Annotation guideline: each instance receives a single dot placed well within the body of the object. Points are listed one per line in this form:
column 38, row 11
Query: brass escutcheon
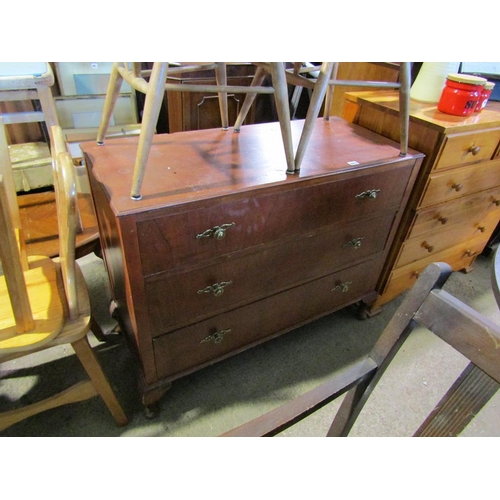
column 216, row 337
column 217, row 288
column 355, row 243
column 218, row 232
column 371, row 194
column 343, row 287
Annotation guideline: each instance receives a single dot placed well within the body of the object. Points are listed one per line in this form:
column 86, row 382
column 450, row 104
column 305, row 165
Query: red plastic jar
column 461, row 94
column 485, row 95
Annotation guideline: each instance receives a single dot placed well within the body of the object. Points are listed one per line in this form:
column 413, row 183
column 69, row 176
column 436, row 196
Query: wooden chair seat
column 45, row 301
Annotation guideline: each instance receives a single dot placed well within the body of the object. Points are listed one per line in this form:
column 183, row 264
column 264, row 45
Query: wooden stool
column 322, row 88
column 155, row 88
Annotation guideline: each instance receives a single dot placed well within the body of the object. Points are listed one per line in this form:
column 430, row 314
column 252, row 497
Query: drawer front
column 182, row 299
column 221, row 335
column 430, row 244
column 463, row 210
column 453, row 184
column 403, row 278
column 168, row 241
column 460, row 149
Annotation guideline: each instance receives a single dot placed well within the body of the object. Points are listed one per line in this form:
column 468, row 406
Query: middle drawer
column 180, row 299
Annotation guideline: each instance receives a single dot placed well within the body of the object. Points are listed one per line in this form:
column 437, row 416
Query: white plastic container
column 431, row 80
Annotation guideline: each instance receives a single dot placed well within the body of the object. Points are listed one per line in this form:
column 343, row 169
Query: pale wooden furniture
column 455, row 204
column 322, row 91
column 473, row 335
column 225, row 250
column 45, row 301
column 154, row 89
column 28, row 81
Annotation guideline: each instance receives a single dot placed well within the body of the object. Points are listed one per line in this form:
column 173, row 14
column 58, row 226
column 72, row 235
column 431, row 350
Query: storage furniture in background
column 225, row 251
column 455, row 205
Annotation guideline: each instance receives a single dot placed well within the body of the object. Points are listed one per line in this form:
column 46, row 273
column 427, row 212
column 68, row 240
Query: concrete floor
column 215, row 399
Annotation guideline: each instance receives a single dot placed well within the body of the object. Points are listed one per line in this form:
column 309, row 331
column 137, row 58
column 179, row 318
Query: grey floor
column 215, row 399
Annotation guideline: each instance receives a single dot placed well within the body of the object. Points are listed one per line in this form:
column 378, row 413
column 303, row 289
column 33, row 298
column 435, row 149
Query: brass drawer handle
column 474, row 150
column 343, row 287
column 371, row 194
column 218, row 232
column 216, row 337
column 355, row 243
column 457, row 187
column 217, row 288
column 428, row 247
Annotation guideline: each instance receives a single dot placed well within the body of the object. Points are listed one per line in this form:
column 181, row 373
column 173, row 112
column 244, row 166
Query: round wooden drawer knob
column 457, row 187
column 428, row 247
column 474, row 150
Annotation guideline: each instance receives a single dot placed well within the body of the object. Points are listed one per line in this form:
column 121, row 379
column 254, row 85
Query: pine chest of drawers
column 455, row 205
column 225, row 251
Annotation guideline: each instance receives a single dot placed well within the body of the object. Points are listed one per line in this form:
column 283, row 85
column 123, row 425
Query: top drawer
column 460, row 149
column 189, row 237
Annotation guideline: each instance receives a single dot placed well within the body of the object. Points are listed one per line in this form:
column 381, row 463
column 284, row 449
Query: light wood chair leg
column 313, row 111
column 281, row 96
column 404, row 105
column 257, row 81
column 152, row 105
column 329, row 92
column 48, row 106
column 114, row 86
column 89, row 361
column 221, row 79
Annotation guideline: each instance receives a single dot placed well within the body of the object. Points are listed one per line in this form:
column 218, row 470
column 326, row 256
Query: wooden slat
column 470, row 333
column 470, row 392
column 292, row 412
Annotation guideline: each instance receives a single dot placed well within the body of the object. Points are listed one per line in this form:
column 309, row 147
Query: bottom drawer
column 219, row 336
column 458, row 257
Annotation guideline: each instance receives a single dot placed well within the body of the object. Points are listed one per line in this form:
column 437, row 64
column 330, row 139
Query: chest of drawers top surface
column 428, row 113
column 198, row 165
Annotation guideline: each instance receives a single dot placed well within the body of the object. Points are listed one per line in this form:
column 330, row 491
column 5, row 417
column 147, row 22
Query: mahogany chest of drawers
column 455, row 204
column 225, row 251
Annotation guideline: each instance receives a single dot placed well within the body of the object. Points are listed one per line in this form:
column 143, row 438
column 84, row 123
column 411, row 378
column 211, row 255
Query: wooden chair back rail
column 473, row 335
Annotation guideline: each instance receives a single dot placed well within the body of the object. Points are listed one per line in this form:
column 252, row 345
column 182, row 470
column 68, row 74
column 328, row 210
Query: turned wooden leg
column 257, row 81
column 404, row 105
column 89, row 361
column 313, row 111
column 283, row 108
column 152, row 105
column 114, row 86
column 221, row 79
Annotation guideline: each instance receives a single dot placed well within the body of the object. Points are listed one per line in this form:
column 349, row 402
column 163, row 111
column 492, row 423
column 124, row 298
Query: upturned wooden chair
column 470, row 333
column 155, row 87
column 45, row 302
column 322, row 89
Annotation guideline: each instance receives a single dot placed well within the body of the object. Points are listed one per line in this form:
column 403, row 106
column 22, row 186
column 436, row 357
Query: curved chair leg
column 283, row 108
column 114, row 86
column 152, row 105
